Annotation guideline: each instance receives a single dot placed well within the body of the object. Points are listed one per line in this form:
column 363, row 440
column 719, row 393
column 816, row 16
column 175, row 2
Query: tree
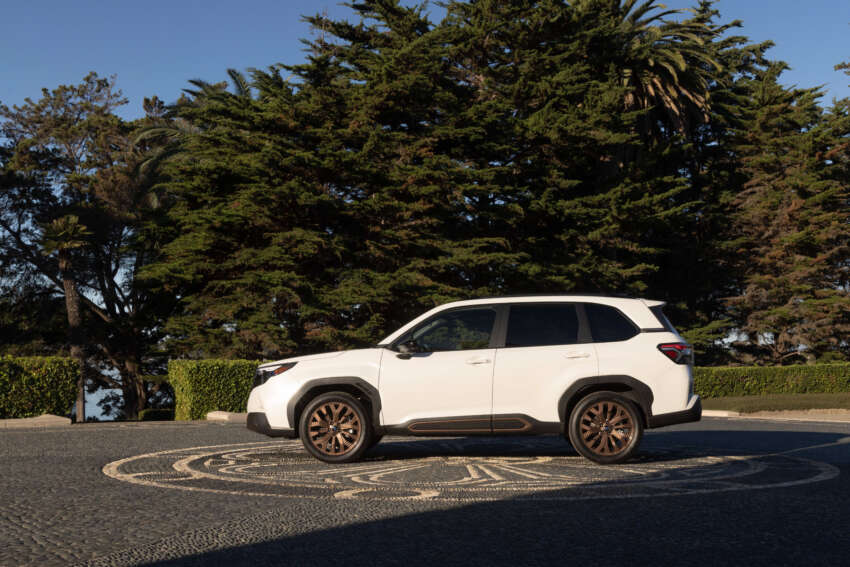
column 74, row 214
column 791, row 226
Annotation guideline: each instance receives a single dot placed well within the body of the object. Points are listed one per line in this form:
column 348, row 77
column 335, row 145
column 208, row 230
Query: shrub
column 156, row 414
column 31, row 386
column 202, row 386
column 716, row 382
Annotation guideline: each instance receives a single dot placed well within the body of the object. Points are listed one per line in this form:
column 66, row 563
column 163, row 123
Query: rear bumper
column 258, row 422
column 692, row 413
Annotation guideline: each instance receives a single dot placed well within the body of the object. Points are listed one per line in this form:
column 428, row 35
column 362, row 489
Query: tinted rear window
column 608, row 324
column 542, row 324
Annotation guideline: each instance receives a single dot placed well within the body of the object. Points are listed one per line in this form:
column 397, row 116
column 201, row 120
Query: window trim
column 493, row 330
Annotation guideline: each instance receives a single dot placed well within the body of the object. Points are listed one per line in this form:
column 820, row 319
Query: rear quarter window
column 608, row 324
column 662, row 318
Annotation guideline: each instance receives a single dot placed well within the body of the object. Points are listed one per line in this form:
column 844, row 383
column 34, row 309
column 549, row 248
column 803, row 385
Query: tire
column 338, row 410
column 605, row 428
column 375, row 440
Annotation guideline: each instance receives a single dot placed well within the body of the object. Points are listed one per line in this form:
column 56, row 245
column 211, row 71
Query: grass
column 779, row 402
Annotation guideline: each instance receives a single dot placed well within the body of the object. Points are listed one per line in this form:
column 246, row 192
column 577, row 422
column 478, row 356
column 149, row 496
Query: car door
column 444, row 382
column 547, row 347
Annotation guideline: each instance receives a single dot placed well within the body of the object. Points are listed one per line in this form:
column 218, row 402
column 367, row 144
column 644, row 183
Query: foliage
column 74, row 210
column 31, row 386
column 720, row 381
column 202, row 386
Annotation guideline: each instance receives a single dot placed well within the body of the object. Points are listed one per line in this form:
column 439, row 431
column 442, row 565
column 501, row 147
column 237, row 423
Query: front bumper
column 693, row 413
column 257, row 421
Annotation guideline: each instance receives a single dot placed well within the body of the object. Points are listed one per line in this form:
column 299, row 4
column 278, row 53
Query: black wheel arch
column 626, row 386
column 358, row 387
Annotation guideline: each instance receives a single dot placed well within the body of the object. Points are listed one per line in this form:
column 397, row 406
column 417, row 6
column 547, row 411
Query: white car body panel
column 531, row 380
column 273, row 396
column 416, row 388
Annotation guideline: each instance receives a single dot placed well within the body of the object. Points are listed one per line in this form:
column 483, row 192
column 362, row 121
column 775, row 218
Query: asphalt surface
column 722, row 491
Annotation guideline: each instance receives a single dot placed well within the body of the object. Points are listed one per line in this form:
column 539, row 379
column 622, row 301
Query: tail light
column 680, row 353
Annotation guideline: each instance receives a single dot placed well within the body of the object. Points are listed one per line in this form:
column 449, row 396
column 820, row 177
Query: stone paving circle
column 463, row 469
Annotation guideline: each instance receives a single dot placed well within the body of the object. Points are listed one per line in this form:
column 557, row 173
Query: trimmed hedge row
column 202, row 386
column 31, row 386
column 721, row 381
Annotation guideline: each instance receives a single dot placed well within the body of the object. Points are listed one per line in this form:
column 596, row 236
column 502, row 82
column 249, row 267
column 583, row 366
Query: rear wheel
column 335, row 428
column 605, row 427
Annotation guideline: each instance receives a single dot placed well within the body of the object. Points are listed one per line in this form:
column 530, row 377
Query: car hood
column 306, row 358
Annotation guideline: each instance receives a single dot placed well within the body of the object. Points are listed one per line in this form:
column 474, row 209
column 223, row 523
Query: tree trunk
column 75, row 329
column 133, row 388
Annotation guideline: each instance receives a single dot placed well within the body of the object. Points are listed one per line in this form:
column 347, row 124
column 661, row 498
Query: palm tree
column 665, row 67
column 61, row 237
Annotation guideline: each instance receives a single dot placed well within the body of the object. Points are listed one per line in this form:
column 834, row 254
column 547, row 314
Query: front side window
column 542, row 324
column 607, row 324
column 462, row 329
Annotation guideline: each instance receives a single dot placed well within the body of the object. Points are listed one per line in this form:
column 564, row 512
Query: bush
column 31, row 386
column 202, row 386
column 155, row 414
column 717, row 382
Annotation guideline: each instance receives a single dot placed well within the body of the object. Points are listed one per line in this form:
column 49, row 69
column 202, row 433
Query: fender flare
column 626, row 386
column 301, row 396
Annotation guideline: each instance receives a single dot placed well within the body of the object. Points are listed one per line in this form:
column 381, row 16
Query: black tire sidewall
column 574, row 427
column 365, row 441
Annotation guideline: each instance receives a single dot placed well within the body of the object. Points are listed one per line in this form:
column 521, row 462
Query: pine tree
column 791, row 226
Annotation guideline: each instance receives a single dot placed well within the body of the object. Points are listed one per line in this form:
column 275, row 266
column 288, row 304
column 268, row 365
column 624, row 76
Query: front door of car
column 439, row 376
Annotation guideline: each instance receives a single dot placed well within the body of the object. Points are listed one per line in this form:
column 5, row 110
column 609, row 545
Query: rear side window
column 608, row 324
column 662, row 318
column 542, row 324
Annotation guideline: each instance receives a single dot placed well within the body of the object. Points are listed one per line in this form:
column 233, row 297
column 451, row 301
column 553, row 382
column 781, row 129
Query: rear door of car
column 547, row 346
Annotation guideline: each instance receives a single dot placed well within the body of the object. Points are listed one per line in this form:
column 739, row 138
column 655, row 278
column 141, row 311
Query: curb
column 816, row 415
column 720, row 413
column 227, row 417
column 46, row 420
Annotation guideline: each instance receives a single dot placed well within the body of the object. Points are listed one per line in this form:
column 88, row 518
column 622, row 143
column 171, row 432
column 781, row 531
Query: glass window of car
column 608, row 324
column 541, row 324
column 460, row 329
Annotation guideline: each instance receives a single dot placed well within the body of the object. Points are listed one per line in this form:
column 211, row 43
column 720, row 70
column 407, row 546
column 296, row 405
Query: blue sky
column 155, row 47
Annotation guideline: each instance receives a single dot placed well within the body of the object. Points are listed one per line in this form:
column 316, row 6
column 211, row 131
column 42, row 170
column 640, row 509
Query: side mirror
column 407, row 348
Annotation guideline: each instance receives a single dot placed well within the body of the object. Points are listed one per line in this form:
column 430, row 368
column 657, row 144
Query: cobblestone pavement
column 720, row 491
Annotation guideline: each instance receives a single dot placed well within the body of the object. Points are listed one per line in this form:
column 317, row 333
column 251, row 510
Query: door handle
column 478, row 361
column 577, row 355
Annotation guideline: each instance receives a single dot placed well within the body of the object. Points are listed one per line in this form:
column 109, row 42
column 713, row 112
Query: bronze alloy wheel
column 335, row 427
column 605, row 427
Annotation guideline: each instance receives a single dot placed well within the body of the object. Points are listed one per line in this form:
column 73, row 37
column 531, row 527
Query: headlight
column 263, row 374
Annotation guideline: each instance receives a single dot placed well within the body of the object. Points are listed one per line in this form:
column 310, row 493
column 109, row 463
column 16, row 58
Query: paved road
column 722, row 491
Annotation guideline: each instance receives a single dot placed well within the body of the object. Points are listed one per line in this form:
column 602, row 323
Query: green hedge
column 202, row 386
column 31, row 386
column 718, row 382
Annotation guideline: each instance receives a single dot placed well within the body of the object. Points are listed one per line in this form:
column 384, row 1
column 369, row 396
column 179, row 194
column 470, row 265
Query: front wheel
column 605, row 427
column 335, row 428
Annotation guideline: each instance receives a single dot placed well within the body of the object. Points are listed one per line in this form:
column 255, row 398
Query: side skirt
column 508, row 424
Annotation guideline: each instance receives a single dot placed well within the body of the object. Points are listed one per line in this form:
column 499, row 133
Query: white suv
column 596, row 369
